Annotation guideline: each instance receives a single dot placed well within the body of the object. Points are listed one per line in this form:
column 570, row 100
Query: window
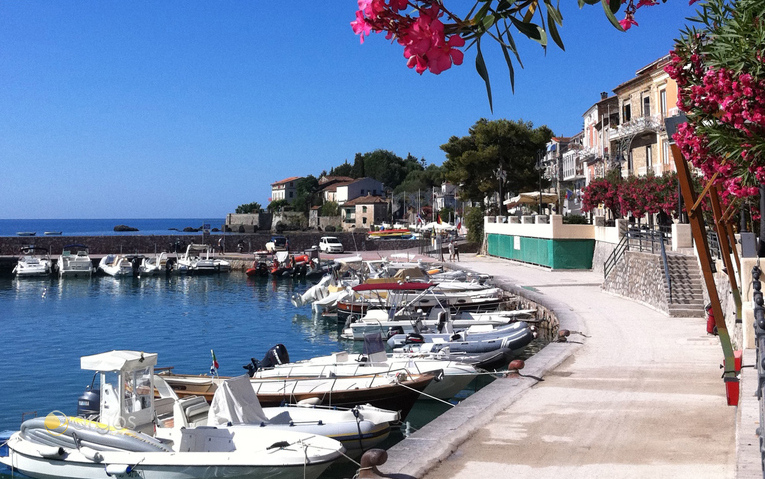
column 663, row 102
column 363, row 209
column 665, row 152
column 374, row 192
column 364, row 219
column 291, row 184
column 626, row 113
column 362, row 192
column 646, row 105
column 648, row 158
column 291, row 194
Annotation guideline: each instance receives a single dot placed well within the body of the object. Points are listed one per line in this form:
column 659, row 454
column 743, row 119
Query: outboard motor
column 414, row 338
column 89, row 404
column 274, row 357
column 394, row 330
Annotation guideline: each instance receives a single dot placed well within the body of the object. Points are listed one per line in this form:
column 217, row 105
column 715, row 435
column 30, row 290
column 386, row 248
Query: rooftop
column 286, row 180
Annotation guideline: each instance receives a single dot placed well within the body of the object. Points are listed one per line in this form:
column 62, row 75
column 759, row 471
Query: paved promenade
column 637, row 395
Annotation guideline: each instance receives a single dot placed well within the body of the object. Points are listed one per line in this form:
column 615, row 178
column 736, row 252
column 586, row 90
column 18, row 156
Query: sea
column 46, row 325
column 104, row 227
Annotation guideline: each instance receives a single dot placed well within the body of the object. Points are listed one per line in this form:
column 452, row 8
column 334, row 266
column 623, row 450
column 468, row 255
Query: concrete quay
column 632, row 394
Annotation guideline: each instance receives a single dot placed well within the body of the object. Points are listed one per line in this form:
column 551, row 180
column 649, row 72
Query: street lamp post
column 501, row 175
column 539, row 168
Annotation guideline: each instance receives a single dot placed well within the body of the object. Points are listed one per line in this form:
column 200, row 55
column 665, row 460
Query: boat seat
column 163, row 407
column 194, row 409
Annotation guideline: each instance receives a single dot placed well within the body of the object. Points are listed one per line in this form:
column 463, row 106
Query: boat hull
column 275, row 392
column 41, row 468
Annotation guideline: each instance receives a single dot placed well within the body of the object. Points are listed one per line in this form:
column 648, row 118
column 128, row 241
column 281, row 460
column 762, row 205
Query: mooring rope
column 426, row 395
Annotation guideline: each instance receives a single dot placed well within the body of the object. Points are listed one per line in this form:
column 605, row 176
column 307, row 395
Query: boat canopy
column 119, row 360
column 235, row 402
column 395, row 286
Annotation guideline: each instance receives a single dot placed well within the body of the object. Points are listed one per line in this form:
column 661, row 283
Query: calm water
column 47, row 324
column 100, row 227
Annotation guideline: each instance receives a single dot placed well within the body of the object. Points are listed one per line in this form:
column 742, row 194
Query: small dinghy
column 476, row 339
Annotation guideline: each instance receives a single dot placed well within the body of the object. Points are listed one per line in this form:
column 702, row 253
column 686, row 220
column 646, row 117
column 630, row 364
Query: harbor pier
column 631, row 393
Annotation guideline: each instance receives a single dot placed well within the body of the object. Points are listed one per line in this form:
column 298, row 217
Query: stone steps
column 687, row 293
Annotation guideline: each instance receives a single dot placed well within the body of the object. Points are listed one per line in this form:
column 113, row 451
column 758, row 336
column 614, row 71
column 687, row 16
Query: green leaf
column 509, row 67
column 488, row 21
column 553, row 29
column 480, row 67
column 615, row 5
column 611, row 16
column 531, row 30
column 553, row 13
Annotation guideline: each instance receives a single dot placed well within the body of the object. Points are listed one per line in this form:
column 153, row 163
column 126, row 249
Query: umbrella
column 531, row 198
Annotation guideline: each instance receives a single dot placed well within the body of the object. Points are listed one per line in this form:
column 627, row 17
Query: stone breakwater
column 229, row 242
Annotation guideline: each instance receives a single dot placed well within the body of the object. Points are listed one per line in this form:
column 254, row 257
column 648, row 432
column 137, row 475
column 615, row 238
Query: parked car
column 330, row 244
column 277, row 243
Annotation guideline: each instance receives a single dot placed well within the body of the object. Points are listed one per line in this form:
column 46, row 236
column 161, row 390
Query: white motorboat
column 452, row 377
column 197, row 260
column 74, row 261
column 60, row 446
column 475, row 339
column 235, row 403
column 415, row 295
column 383, row 322
column 116, row 265
column 396, row 391
column 153, row 266
column 324, row 295
column 34, row 261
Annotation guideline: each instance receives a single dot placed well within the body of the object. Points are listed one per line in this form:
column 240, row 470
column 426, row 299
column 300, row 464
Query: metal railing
column 642, row 239
column 714, row 245
column 759, row 332
column 615, row 255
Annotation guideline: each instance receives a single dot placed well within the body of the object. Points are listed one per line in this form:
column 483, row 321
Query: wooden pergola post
column 698, row 229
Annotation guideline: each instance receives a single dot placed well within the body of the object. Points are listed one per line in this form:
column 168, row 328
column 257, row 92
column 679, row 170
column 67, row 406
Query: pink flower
column 360, row 26
column 627, row 23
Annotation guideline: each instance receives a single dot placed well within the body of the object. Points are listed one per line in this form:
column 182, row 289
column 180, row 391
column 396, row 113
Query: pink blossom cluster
column 635, row 195
column 629, row 12
column 730, row 103
column 425, row 42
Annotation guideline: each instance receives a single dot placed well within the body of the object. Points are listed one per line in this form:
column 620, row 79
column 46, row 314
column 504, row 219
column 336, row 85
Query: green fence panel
column 555, row 254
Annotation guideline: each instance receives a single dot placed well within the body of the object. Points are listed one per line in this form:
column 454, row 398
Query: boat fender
column 314, row 401
column 51, row 452
column 440, row 376
column 118, row 469
column 91, row 454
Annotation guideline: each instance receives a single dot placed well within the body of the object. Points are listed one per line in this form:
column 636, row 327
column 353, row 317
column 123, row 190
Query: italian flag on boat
column 215, row 366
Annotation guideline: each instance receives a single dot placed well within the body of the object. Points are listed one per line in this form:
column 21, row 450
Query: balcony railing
column 636, row 126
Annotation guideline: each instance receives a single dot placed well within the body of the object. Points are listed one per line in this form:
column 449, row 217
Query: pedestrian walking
column 457, row 252
column 451, row 250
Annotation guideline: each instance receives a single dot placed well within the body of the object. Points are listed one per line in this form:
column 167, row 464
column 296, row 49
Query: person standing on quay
column 451, row 250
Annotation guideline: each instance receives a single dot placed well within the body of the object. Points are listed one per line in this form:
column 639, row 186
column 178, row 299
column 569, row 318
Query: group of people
column 454, row 251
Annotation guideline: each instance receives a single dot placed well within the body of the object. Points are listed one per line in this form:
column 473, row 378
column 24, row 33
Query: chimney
column 603, row 95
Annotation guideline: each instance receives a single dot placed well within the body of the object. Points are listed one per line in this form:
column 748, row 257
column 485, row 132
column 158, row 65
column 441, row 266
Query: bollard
column 369, row 462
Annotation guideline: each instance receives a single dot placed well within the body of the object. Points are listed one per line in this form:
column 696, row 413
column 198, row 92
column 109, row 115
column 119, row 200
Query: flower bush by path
column 720, row 73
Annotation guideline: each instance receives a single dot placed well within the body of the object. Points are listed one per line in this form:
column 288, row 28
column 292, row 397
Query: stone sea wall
column 130, row 244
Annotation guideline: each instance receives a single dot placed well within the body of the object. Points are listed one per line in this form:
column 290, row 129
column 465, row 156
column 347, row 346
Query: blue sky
column 152, row 109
